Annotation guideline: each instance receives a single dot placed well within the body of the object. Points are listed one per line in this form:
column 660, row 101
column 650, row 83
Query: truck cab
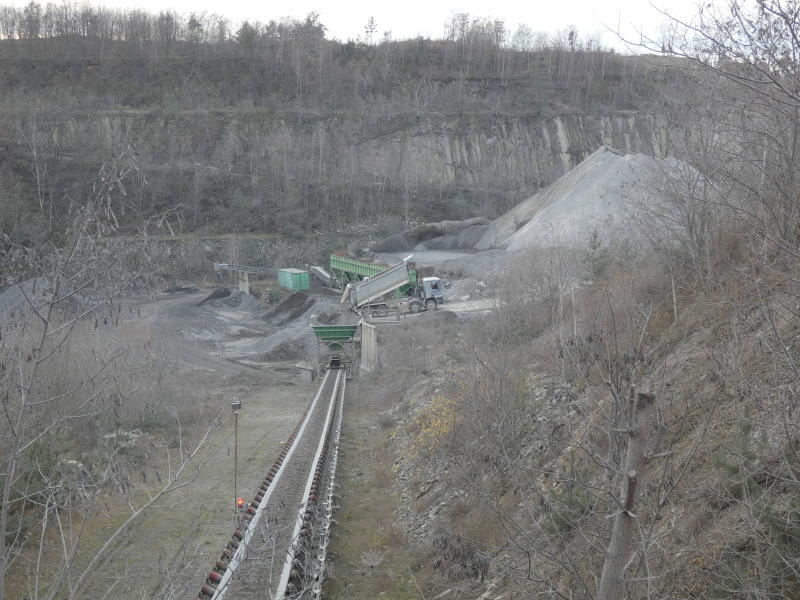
column 433, row 288
column 429, row 295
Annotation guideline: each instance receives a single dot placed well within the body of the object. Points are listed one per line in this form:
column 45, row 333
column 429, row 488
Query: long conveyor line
column 272, row 551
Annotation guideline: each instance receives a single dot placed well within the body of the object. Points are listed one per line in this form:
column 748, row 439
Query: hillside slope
column 285, row 131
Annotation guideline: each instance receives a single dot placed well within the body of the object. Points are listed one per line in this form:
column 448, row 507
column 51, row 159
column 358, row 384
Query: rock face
column 346, row 165
column 508, row 152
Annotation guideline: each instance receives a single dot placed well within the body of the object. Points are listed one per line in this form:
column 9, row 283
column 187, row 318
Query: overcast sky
column 345, row 19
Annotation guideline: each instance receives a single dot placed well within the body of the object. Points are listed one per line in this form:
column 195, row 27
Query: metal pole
column 235, row 455
column 238, row 503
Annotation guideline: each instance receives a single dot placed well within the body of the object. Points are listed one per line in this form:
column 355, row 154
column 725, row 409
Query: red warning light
column 240, row 503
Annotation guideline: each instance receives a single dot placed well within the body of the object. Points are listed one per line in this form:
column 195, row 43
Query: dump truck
column 372, row 295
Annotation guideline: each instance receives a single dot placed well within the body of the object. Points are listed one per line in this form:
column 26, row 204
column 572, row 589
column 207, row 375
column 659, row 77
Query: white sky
column 346, row 19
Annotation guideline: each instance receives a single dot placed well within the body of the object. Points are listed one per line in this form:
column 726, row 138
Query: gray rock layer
column 407, row 152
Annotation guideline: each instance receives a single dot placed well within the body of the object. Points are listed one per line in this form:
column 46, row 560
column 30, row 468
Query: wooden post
column 619, row 546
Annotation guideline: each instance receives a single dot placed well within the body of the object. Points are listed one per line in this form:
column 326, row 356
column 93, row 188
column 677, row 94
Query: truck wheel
column 430, row 304
column 383, row 310
column 414, row 306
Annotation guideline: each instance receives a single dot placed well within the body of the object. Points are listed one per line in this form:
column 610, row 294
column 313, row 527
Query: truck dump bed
column 378, row 285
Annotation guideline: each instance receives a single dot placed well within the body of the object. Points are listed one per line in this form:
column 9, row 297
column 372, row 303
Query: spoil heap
column 599, row 194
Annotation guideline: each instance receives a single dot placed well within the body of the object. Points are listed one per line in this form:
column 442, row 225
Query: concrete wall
column 369, row 347
column 244, row 282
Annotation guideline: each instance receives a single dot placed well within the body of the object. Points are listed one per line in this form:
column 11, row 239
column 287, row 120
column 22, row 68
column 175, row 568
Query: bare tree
column 56, row 381
column 620, row 544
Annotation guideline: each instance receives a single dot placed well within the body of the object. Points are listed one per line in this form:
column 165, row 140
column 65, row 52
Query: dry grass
column 723, row 386
column 371, row 554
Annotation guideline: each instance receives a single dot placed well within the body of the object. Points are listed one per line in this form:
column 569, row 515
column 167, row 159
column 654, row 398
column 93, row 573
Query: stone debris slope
column 597, row 194
column 446, row 233
column 610, row 192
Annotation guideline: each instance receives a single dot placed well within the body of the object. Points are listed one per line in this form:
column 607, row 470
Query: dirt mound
column 239, row 300
column 466, row 238
column 218, row 293
column 292, row 336
column 290, row 308
column 334, row 315
column 325, row 318
column 427, row 231
column 289, row 350
column 602, row 193
column 597, row 194
column 479, row 264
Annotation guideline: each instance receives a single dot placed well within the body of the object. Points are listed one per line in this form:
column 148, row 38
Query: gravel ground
column 288, row 332
column 169, row 550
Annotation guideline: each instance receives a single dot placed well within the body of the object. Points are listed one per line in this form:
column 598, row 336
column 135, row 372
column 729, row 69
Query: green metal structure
column 334, row 334
column 294, row 279
column 354, row 269
column 348, row 270
column 335, row 340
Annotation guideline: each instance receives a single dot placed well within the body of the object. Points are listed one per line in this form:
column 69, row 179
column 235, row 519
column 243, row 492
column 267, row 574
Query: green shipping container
column 294, row 279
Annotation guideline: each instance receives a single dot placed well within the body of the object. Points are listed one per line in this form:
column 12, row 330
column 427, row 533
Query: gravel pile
column 447, row 232
column 600, row 193
column 239, row 300
column 291, row 307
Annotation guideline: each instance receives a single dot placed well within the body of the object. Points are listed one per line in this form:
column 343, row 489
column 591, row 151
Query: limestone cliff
column 333, row 168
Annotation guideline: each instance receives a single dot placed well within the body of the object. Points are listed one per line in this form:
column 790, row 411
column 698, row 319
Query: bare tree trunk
column 17, row 447
column 674, row 294
column 174, row 483
column 619, row 546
